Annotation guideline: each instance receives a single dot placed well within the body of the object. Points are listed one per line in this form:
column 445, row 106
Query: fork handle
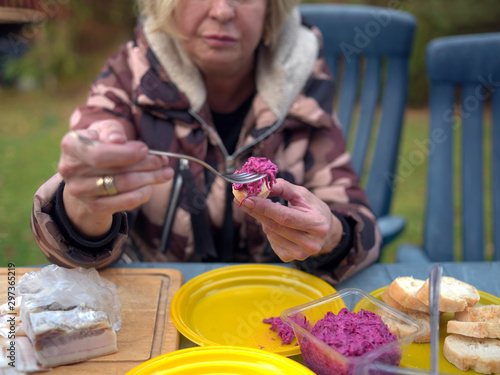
column 180, row 156
column 154, row 152
column 173, row 155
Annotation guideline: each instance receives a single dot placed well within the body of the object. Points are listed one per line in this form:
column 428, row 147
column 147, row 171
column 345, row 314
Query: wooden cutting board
column 147, row 330
column 20, row 15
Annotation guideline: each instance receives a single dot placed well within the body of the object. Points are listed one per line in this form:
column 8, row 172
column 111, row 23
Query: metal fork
column 238, row 178
column 434, row 291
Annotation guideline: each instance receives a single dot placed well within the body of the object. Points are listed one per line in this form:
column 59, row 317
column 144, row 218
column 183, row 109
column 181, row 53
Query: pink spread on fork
column 258, row 165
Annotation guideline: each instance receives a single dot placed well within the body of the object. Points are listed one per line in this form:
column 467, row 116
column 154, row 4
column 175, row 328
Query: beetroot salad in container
column 350, row 328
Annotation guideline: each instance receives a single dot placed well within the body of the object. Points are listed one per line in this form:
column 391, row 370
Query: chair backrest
column 367, row 49
column 466, row 68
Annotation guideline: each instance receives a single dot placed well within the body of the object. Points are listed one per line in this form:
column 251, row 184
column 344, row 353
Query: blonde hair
column 161, row 15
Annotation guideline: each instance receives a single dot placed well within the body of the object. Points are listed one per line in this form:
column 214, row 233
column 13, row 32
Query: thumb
column 283, row 189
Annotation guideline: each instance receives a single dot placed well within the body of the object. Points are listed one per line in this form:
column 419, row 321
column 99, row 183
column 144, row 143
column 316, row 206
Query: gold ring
column 106, row 185
column 100, row 186
column 109, row 185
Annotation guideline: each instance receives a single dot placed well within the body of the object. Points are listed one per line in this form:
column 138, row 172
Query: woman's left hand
column 304, row 228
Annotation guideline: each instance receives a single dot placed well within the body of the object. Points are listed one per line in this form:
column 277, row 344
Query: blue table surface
column 485, row 276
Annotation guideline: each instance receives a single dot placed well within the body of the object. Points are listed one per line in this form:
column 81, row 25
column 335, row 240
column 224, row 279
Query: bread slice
column 241, row 194
column 404, row 289
column 480, row 321
column 455, row 295
column 480, row 355
column 488, row 313
column 402, row 330
column 474, row 329
column 386, row 297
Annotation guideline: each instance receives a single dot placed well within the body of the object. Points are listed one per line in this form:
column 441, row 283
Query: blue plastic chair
column 367, row 49
column 469, row 64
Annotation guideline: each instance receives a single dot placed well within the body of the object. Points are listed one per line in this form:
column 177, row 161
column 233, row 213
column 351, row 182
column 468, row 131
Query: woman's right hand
column 133, row 171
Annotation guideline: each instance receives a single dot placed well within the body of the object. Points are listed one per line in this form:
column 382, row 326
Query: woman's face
column 221, row 35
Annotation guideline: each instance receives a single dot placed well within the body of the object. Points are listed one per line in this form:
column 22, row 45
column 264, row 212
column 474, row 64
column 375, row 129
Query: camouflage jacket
column 158, row 94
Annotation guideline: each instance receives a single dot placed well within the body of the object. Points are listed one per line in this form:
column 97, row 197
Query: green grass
column 31, row 127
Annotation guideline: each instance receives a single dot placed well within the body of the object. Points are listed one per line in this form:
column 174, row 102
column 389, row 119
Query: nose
column 222, row 10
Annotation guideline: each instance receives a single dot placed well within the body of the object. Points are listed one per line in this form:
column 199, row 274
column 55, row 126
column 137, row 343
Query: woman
column 221, row 80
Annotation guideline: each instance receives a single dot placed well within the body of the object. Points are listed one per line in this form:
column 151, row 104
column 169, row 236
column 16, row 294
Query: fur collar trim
column 282, row 69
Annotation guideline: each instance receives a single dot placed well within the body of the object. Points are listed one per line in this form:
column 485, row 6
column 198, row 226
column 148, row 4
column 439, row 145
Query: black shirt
column 229, row 124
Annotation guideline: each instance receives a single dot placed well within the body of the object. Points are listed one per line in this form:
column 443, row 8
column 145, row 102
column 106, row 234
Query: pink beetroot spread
column 259, row 165
column 353, row 334
column 284, row 331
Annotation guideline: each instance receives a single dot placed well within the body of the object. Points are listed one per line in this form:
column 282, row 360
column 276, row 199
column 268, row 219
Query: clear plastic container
column 382, row 369
column 325, row 360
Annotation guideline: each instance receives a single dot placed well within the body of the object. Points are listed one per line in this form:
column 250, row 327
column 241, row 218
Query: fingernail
column 168, row 173
column 249, row 203
column 144, row 150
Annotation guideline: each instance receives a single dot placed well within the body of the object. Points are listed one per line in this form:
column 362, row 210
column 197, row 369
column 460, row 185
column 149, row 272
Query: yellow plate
column 418, row 355
column 221, row 360
column 226, row 306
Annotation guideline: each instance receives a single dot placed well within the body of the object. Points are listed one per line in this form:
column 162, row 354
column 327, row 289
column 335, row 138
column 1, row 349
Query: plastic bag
column 58, row 288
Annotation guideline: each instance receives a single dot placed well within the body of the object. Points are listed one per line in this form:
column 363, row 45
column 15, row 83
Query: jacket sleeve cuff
column 55, row 246
column 332, row 259
column 73, row 238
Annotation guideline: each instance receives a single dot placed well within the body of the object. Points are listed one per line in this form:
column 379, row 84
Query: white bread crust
column 401, row 330
column 404, row 289
column 424, row 318
column 386, row 297
column 480, row 355
column 455, row 295
column 474, row 329
column 488, row 313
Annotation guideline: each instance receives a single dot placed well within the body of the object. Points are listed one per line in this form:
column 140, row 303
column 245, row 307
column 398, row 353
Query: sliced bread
column 474, row 329
column 455, row 295
column 386, row 297
column 480, row 355
column 404, row 289
column 242, row 193
column 422, row 317
column 401, row 329
column 488, row 313
column 480, row 321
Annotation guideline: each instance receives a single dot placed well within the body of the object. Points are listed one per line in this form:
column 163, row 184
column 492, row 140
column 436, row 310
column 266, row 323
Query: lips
column 222, row 37
column 219, row 39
